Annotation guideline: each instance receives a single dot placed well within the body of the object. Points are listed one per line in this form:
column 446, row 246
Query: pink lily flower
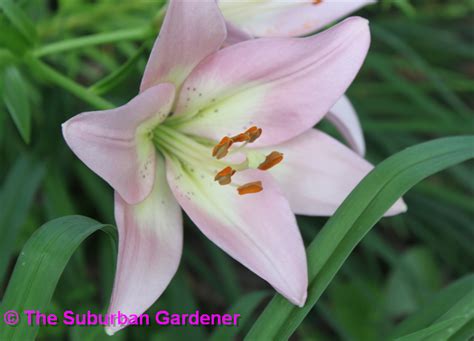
column 225, row 134
column 281, row 18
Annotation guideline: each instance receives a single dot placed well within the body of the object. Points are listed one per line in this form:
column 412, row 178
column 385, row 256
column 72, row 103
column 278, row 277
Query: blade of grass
column 16, row 198
column 457, row 300
column 111, row 81
column 139, row 33
column 15, row 96
column 19, row 19
column 400, row 46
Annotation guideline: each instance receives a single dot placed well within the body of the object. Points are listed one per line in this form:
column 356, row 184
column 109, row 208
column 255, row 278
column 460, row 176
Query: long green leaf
column 398, row 44
column 115, row 78
column 433, row 312
column 16, row 198
column 39, row 267
column 16, row 99
column 19, row 19
column 435, row 329
column 355, row 217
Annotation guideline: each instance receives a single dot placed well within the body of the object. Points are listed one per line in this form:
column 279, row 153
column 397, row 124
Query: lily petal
column 344, row 117
column 277, row 18
column 283, row 85
column 191, row 31
column 318, row 173
column 150, row 247
column 115, row 144
column 258, row 230
column 235, row 35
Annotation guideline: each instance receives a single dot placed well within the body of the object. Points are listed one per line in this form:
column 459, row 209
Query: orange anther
column 253, row 133
column 224, row 176
column 250, row 188
column 317, row 2
column 271, row 160
column 222, row 148
column 243, row 137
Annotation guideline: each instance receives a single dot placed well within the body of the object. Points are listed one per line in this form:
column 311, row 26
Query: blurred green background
column 416, row 84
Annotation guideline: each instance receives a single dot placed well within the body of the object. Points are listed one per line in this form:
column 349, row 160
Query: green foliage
column 16, row 198
column 444, row 316
column 15, row 96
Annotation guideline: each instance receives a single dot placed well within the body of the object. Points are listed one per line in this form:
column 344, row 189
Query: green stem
column 94, row 39
column 64, row 82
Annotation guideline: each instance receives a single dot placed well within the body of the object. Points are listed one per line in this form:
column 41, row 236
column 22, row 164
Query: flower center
column 221, row 149
column 207, row 156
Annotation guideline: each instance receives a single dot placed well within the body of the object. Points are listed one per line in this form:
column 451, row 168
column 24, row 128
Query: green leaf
column 12, row 41
column 433, row 311
column 412, row 281
column 399, row 45
column 119, row 75
column 19, row 19
column 465, row 333
column 39, row 267
column 436, row 329
column 245, row 306
column 16, row 198
column 16, row 99
column 364, row 207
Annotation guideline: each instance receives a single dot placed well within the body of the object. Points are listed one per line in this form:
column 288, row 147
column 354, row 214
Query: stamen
column 224, row 176
column 222, row 148
column 317, row 2
column 271, row 160
column 250, row 188
column 250, row 135
column 243, row 137
column 253, row 133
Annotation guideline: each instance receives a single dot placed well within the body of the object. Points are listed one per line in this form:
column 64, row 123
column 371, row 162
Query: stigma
column 264, row 163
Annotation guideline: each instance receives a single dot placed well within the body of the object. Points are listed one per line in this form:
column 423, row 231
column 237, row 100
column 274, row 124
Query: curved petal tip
column 397, row 208
column 109, row 331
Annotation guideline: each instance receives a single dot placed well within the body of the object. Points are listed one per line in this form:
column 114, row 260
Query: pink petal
column 258, row 230
column 344, row 118
column 115, row 145
column 318, row 173
column 191, row 31
column 235, row 35
column 283, row 85
column 286, row 18
column 150, row 247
